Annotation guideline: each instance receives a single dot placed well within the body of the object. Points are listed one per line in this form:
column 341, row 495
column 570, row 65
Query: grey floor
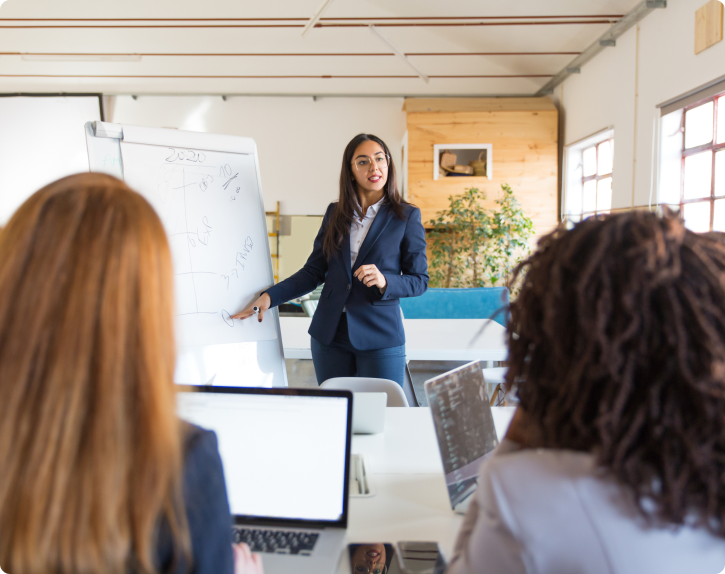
column 301, row 373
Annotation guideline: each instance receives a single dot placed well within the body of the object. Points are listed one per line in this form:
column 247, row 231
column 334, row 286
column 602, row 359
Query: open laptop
column 286, row 457
column 464, row 427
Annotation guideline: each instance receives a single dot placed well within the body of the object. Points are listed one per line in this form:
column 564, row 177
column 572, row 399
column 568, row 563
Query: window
column 597, row 179
column 588, row 182
column 702, row 181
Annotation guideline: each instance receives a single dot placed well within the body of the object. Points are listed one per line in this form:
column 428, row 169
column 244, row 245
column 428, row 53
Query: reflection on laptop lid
column 285, row 451
column 464, row 427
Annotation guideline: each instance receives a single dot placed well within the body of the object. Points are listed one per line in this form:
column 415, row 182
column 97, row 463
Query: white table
column 411, row 499
column 426, row 339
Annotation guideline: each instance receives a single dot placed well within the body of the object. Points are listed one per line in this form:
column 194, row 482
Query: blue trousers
column 341, row 359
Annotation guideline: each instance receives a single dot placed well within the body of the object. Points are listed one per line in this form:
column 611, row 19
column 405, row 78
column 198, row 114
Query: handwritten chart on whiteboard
column 217, row 242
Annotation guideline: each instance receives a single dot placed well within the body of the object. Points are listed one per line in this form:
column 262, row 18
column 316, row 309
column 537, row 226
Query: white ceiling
column 24, row 45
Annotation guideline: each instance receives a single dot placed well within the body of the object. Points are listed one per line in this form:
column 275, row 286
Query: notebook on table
column 286, row 457
column 464, row 428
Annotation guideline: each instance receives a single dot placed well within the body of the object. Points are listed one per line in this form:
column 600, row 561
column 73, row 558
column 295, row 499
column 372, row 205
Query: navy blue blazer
column 207, row 510
column 397, row 248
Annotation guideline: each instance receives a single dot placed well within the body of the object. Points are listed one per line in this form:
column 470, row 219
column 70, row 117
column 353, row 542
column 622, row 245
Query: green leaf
column 471, row 246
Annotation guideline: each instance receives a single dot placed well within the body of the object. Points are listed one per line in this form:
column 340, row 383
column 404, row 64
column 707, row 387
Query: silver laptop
column 464, row 428
column 368, row 412
column 286, row 457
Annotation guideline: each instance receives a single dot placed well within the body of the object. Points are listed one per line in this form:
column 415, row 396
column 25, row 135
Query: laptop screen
column 285, row 452
column 464, row 426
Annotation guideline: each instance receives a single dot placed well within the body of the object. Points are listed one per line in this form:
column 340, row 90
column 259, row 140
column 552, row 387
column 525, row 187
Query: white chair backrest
column 495, row 375
column 309, row 306
column 396, row 396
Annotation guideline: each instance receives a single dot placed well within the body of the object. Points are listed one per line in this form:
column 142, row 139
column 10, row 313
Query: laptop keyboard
column 277, row 541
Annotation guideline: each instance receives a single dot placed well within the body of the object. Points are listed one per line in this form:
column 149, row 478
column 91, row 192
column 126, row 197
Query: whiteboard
column 207, row 193
column 41, row 140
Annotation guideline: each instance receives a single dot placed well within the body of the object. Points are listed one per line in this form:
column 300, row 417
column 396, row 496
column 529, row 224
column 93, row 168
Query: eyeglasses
column 363, row 163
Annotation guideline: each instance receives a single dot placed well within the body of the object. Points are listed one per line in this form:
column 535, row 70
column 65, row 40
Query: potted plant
column 472, row 246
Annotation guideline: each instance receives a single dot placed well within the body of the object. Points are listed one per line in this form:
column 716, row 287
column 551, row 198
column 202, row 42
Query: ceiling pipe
column 456, row 95
column 399, row 53
column 277, row 77
column 279, row 54
column 318, row 24
column 609, row 38
column 367, row 20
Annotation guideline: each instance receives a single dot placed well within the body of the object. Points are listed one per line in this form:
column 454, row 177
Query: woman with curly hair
column 615, row 461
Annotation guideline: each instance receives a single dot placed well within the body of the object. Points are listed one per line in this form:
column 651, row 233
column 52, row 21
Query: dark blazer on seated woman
column 98, row 472
column 207, row 510
column 397, row 247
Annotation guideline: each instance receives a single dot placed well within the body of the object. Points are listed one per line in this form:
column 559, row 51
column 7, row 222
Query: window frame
column 596, row 177
column 712, row 145
column 572, row 180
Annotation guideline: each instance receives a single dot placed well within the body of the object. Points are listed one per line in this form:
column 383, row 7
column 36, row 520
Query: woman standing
column 369, row 252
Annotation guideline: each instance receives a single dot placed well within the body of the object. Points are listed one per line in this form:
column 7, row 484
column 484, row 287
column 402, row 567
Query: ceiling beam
column 316, row 17
column 398, row 53
column 609, row 38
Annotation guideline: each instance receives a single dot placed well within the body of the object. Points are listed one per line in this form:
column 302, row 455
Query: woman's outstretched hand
column 246, row 561
column 371, row 277
column 262, row 304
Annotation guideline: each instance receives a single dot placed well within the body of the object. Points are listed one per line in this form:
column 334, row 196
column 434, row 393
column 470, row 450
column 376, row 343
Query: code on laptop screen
column 464, row 426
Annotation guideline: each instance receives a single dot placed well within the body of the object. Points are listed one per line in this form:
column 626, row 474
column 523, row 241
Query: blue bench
column 478, row 303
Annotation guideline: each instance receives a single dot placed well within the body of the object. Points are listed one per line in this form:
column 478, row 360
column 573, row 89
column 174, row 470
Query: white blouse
column 359, row 230
column 555, row 512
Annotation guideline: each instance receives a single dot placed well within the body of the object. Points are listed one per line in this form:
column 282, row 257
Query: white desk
column 411, row 500
column 426, row 339
column 408, row 445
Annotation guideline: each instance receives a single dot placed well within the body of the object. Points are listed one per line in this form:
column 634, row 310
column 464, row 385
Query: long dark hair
column 348, row 206
column 617, row 343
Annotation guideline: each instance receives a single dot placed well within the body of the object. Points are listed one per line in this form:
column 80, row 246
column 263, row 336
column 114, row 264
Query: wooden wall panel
column 524, row 155
column 708, row 25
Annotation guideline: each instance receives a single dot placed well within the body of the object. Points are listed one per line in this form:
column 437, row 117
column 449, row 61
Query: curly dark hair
column 617, row 345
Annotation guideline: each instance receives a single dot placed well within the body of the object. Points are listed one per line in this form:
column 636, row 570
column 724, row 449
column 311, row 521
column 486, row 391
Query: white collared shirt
column 554, row 510
column 359, row 230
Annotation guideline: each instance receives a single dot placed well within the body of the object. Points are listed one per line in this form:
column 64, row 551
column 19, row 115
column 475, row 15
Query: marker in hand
column 262, row 304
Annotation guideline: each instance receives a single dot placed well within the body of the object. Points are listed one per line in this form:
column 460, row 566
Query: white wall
column 620, row 88
column 41, row 140
column 295, row 248
column 300, row 141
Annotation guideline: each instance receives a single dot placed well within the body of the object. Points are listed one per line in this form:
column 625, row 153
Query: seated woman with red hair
column 97, row 473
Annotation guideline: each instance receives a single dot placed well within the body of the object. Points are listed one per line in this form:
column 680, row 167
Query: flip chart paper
column 209, row 204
